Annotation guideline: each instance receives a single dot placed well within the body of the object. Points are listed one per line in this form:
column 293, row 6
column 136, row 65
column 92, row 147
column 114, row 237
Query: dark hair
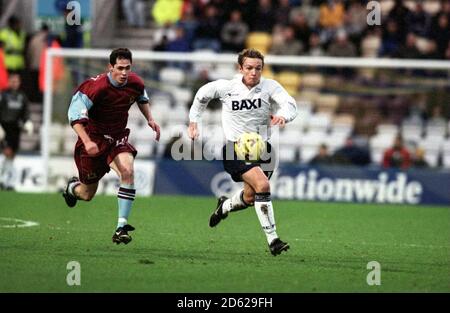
column 13, row 20
column 120, row 53
column 250, row 53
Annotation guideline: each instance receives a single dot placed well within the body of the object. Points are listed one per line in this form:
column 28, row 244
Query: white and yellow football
column 249, row 147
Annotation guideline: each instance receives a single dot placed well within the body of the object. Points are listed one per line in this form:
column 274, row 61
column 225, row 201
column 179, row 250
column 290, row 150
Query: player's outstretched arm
column 288, row 106
column 155, row 128
column 201, row 99
column 145, row 110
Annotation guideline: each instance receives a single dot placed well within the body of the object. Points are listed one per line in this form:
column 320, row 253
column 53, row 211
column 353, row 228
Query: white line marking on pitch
column 17, row 223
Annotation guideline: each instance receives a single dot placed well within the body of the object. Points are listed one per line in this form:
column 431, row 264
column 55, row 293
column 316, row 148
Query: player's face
column 251, row 69
column 120, row 70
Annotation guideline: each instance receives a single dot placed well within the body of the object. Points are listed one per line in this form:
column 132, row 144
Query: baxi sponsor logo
column 245, row 104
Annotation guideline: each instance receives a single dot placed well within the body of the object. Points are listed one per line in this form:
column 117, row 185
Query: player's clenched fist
column 91, row 148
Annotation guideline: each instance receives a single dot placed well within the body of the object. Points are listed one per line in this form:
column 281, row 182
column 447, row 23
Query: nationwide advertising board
column 296, row 182
column 290, row 182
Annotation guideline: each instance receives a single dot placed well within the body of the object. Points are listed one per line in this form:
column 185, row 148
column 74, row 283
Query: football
column 249, row 147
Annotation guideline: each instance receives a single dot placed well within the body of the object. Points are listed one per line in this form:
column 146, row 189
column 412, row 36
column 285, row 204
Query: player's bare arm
column 90, row 146
column 145, row 110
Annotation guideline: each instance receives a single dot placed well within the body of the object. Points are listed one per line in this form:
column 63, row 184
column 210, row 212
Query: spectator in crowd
column 206, row 36
column 436, row 117
column 392, row 39
column 399, row 13
column 58, row 66
column 409, row 50
column 355, row 20
column 188, row 22
column 418, row 21
column 445, row 7
column 163, row 35
column 393, row 108
column 134, row 11
column 371, row 43
column 264, row 17
column 397, row 156
column 282, row 12
column 301, row 28
column 288, row 45
column 417, row 110
column 179, row 43
column 246, row 7
column 13, row 38
column 234, row 33
column 351, row 154
column 167, row 11
column 315, row 48
column 331, row 14
column 331, row 18
column 440, row 33
column 418, row 158
column 341, row 46
column 3, row 71
column 323, row 157
column 37, row 45
column 14, row 116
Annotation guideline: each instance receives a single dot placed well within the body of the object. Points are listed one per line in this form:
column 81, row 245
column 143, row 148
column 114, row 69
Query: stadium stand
column 372, row 106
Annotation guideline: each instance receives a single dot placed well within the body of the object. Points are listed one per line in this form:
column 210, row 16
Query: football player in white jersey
column 247, row 102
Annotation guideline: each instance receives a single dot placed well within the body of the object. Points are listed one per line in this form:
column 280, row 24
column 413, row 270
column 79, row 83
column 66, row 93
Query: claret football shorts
column 92, row 168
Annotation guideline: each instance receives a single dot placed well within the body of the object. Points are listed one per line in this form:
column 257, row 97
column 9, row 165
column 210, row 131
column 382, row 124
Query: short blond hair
column 250, row 53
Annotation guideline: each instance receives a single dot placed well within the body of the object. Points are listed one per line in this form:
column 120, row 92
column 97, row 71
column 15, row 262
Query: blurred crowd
column 322, row 27
column 24, row 53
column 398, row 156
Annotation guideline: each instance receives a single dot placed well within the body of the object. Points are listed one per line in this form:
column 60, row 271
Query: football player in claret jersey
column 98, row 114
column 247, row 102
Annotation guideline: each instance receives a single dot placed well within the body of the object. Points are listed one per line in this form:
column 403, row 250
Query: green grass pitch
column 174, row 250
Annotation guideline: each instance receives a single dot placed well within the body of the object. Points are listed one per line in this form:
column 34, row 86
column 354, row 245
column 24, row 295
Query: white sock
column 264, row 210
column 72, row 186
column 235, row 203
column 2, row 171
column 8, row 173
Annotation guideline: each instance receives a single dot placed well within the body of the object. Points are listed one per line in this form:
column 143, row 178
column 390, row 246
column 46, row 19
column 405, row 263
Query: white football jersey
column 243, row 109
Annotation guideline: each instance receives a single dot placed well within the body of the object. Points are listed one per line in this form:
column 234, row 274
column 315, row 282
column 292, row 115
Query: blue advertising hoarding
column 296, row 182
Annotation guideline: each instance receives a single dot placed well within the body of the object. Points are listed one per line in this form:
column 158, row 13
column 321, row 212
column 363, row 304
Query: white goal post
column 213, row 59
